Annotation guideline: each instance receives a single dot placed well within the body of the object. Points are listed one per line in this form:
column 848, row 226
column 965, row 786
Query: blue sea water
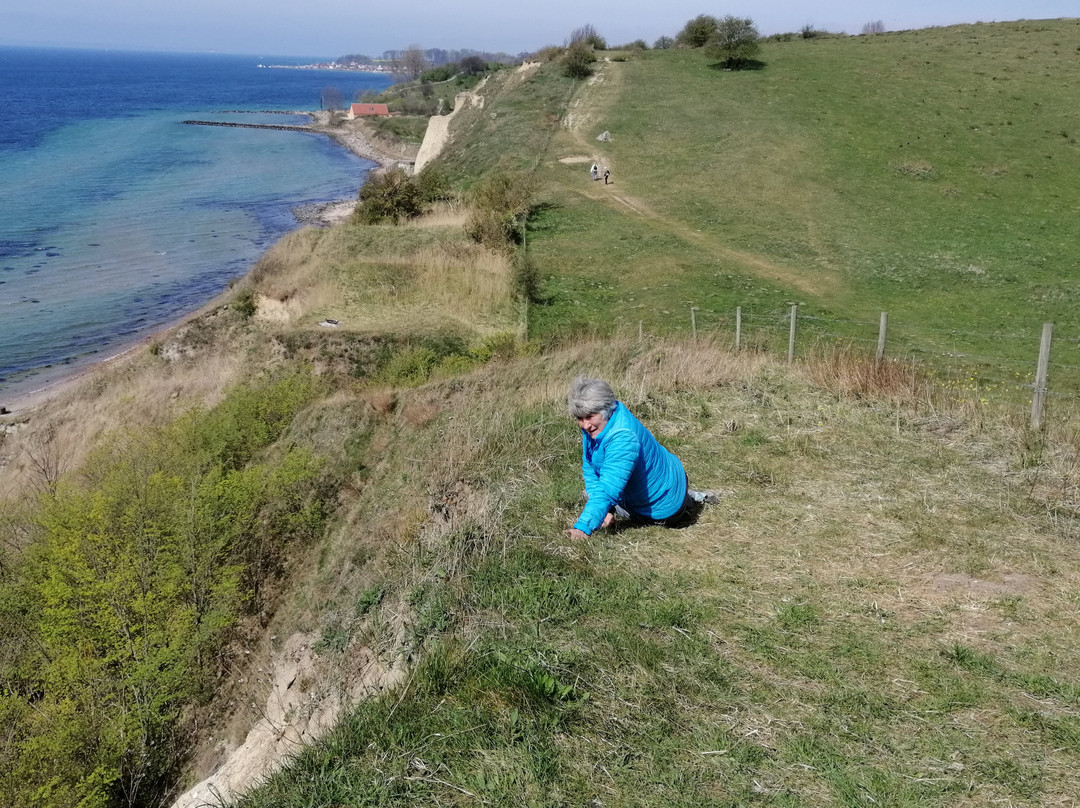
column 116, row 219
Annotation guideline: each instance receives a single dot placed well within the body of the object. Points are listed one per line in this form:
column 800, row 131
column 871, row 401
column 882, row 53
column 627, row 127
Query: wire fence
column 1032, row 367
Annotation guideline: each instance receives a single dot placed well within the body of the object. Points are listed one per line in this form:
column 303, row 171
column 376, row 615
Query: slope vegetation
column 321, row 522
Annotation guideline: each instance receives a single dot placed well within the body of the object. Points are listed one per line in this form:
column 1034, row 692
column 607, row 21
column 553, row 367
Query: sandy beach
column 23, row 398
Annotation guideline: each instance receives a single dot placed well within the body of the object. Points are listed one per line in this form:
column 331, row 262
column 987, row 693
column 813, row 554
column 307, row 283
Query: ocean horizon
column 117, row 219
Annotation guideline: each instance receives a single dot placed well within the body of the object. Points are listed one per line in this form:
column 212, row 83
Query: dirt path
column 596, row 96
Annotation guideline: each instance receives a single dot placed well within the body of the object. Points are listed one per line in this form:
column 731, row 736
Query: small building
column 364, row 110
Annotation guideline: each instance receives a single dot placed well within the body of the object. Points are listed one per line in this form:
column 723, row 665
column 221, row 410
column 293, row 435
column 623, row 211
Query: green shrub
column 389, row 196
column 504, row 345
column 433, row 185
column 119, row 612
column 245, row 305
column 441, row 73
column 697, row 31
column 500, row 202
column 526, row 278
column 473, row 66
column 577, row 61
column 409, row 367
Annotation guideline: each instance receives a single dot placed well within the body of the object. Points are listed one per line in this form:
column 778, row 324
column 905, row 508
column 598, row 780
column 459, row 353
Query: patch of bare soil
column 305, row 697
column 1008, row 584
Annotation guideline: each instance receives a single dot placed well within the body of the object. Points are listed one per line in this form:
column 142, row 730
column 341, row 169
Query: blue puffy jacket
column 625, row 465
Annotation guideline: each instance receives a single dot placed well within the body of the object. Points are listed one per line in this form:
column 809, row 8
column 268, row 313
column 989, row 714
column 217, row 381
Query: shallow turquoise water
column 119, row 220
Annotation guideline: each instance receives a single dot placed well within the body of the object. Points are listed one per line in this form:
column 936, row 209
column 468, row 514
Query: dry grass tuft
column 443, row 214
column 382, row 401
column 853, row 373
column 920, row 169
column 420, row 414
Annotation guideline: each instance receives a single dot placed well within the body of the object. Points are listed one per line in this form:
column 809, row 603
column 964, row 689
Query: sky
column 330, row 28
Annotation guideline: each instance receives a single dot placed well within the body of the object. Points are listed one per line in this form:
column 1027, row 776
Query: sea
column 116, row 219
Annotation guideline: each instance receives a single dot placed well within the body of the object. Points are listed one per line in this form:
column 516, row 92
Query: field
column 348, row 479
column 927, row 174
column 880, row 610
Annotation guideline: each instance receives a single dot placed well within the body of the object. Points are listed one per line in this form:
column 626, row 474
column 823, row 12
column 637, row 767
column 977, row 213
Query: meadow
column 369, row 432
column 926, row 174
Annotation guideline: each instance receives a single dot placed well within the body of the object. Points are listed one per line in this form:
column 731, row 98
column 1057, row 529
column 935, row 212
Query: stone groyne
column 284, row 127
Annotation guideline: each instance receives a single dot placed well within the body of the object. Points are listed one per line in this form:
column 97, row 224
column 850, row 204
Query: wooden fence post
column 883, row 326
column 738, row 327
column 791, row 333
column 693, row 321
column 1038, row 398
column 640, row 330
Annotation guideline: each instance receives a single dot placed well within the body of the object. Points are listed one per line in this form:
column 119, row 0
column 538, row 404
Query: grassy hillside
column 347, row 480
column 879, row 609
column 928, row 174
column 868, row 615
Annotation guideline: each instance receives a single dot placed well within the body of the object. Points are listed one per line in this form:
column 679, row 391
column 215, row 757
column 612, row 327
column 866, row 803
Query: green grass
column 868, row 615
column 403, row 128
column 881, row 610
column 928, row 174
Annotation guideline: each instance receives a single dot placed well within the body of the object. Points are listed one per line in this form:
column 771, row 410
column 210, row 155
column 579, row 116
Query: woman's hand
column 574, row 533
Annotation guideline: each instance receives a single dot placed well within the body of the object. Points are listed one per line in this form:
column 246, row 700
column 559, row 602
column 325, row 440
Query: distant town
column 391, row 60
column 367, row 67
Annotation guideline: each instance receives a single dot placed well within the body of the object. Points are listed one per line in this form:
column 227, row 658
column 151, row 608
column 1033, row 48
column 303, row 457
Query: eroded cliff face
column 438, row 130
column 306, row 694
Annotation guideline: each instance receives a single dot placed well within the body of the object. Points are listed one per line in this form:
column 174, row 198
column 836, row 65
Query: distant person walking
column 594, row 172
column 607, row 173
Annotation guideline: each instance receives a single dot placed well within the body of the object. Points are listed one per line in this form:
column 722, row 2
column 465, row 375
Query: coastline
column 35, row 392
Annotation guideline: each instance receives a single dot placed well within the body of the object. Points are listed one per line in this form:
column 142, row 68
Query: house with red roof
column 364, row 110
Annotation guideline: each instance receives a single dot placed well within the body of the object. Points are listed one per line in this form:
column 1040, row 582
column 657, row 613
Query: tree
column 472, row 66
column 697, row 31
column 735, row 42
column 875, row 27
column 414, row 62
column 663, row 43
column 330, row 98
column 389, row 196
column 587, row 34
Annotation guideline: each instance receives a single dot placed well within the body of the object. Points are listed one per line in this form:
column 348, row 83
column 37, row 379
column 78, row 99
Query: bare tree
column 875, row 27
column 330, row 98
column 414, row 62
column 47, row 458
column 587, row 34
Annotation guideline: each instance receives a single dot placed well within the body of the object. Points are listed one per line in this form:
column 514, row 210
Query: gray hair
column 589, row 396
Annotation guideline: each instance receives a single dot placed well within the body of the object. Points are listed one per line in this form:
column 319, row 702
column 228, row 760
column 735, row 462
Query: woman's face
column 592, row 424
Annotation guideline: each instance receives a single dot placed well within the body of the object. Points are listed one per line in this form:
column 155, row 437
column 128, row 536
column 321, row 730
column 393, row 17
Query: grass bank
column 881, row 608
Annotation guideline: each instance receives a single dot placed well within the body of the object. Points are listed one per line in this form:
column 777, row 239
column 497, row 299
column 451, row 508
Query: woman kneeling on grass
column 627, row 472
